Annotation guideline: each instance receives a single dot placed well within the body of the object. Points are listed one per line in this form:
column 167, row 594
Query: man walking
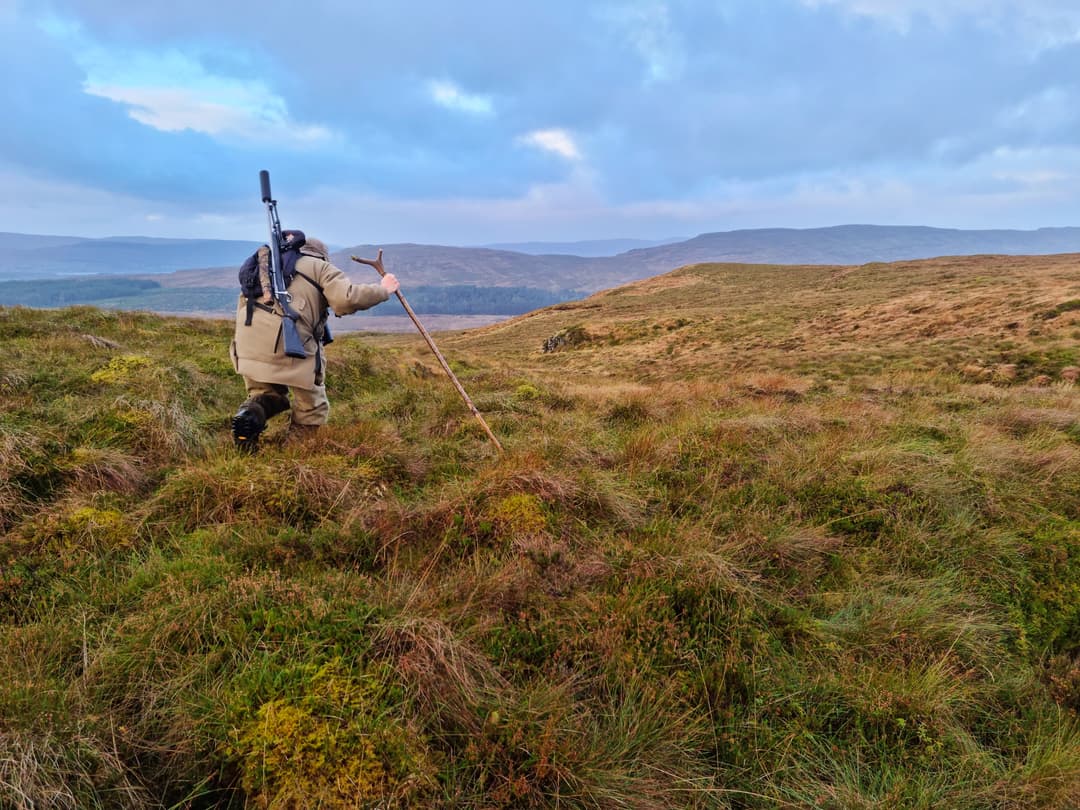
column 257, row 350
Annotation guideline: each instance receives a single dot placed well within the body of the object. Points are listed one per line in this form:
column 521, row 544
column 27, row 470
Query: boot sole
column 246, row 428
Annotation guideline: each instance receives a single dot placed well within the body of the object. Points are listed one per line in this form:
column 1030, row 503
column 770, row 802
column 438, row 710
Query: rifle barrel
column 292, row 343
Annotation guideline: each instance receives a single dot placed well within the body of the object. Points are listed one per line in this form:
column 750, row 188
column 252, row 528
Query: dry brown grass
column 98, row 469
column 35, row 771
column 448, row 677
column 707, row 321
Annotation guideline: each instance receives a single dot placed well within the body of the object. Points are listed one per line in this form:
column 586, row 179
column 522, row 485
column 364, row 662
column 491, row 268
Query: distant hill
column 434, row 266
column 212, row 263
column 589, row 247
column 438, row 265
column 28, row 241
column 854, row 244
column 28, row 256
column 708, row 320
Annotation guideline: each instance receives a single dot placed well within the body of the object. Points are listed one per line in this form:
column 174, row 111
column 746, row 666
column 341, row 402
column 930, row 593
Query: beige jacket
column 257, row 351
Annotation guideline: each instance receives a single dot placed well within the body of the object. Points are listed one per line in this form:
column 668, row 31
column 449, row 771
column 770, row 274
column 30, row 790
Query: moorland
column 762, row 536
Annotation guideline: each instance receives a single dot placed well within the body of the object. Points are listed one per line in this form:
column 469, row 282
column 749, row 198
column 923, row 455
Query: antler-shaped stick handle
column 377, row 263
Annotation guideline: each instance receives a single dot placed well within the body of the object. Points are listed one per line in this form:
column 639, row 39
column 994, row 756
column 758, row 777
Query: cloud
column 688, row 109
column 171, row 90
column 244, row 112
column 449, row 95
column 1007, row 188
column 87, row 209
column 557, row 141
column 980, row 195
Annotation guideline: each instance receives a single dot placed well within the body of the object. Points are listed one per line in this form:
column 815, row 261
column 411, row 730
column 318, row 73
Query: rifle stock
column 293, row 344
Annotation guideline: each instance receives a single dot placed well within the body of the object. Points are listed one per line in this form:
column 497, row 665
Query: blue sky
column 475, row 121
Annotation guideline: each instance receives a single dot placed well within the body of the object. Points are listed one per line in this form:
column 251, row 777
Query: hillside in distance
column 857, row 244
column 849, row 244
column 213, row 263
column 968, row 314
column 585, row 247
column 28, row 256
column 760, row 537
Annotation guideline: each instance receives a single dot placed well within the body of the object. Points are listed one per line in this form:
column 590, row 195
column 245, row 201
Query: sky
column 482, row 121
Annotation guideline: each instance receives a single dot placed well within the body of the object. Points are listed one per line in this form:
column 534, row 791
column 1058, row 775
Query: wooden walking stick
column 378, row 265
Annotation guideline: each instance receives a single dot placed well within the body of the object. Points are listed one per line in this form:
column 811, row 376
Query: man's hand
column 390, row 283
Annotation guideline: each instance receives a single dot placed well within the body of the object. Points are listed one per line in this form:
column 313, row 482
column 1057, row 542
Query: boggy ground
column 761, row 537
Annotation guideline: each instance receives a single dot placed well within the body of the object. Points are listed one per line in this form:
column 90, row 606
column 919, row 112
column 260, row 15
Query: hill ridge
column 441, row 265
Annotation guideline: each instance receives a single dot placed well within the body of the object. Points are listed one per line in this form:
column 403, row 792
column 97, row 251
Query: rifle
column 294, row 346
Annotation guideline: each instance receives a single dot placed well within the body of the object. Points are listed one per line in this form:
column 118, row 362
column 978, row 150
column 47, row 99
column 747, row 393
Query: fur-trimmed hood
column 315, row 247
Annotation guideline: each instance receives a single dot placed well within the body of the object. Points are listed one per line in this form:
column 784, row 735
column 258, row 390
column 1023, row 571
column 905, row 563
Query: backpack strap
column 252, row 305
column 322, row 329
column 311, row 281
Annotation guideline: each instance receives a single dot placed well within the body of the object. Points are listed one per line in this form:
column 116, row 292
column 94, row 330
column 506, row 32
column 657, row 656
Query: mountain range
column 212, row 263
column 31, row 256
column 587, row 247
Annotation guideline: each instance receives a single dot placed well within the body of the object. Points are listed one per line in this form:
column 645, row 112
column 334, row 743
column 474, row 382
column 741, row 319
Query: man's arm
column 346, row 297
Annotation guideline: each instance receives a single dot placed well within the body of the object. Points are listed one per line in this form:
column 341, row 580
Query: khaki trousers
column 310, row 407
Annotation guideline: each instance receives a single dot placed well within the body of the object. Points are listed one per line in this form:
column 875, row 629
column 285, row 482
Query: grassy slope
column 762, row 537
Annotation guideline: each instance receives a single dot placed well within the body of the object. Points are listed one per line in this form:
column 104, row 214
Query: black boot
column 248, row 423
column 272, row 402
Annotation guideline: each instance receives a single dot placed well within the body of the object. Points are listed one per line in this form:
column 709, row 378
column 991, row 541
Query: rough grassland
column 761, row 537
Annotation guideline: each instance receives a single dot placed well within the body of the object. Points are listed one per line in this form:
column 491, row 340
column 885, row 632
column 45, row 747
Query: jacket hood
column 315, row 247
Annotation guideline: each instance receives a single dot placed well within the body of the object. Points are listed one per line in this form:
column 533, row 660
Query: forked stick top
column 376, row 262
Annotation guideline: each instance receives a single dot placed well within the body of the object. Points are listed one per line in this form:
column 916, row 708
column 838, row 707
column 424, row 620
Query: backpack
column 258, row 288
column 255, row 281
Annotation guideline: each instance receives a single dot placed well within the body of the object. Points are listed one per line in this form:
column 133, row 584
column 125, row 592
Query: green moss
column 82, row 531
column 123, row 368
column 334, row 743
column 518, row 514
column 527, row 392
